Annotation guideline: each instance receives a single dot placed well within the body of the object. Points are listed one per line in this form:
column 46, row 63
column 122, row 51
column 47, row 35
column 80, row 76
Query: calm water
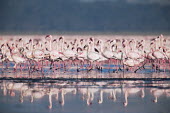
column 84, row 97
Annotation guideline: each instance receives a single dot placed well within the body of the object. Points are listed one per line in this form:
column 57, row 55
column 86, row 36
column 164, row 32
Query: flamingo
column 130, row 91
column 159, row 54
column 133, row 58
column 50, row 100
column 69, row 53
column 16, row 57
column 54, row 54
column 38, row 55
column 29, row 50
column 91, row 55
column 62, row 102
column 23, row 90
column 37, row 94
column 112, row 94
column 4, row 88
column 157, row 93
column 50, row 92
column 133, row 53
column 14, row 86
column 99, row 50
column 83, row 91
column 90, row 94
column 18, row 60
column 64, row 92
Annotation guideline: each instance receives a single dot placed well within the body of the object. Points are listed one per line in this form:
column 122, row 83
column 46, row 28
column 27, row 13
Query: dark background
column 44, row 16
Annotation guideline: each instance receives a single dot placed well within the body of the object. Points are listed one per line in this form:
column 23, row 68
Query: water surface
column 81, row 97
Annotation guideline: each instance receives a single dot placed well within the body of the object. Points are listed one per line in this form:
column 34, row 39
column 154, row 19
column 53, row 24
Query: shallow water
column 69, row 91
column 83, row 97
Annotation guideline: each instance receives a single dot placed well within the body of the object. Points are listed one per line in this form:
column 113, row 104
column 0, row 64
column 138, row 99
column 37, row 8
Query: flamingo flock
column 88, row 54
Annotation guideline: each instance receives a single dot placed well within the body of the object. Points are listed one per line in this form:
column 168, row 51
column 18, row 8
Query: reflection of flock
column 59, row 53
column 89, row 91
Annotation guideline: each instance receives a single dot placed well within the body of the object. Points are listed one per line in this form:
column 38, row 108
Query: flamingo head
column 164, row 40
column 81, row 40
column 117, row 40
column 89, row 103
column 20, row 40
column 110, row 97
column 50, row 107
column 82, row 97
column 125, row 104
column 21, row 100
column 99, row 101
column 120, row 51
column 27, row 48
column 75, row 40
column 61, row 102
column 16, row 45
column 61, row 38
column 91, row 39
column 111, row 41
column 48, row 36
column 96, row 50
column 72, row 48
column 131, row 42
column 142, row 95
column 74, row 91
column 79, row 49
column 86, row 47
column 12, row 93
column 21, row 50
column 54, row 40
column 30, row 40
column 2, row 45
column 98, row 42
column 155, row 100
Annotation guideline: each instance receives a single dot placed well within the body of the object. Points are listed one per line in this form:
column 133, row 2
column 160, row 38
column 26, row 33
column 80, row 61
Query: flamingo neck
column 92, row 96
column 156, row 99
column 109, row 47
column 126, row 49
column 91, row 46
column 101, row 47
column 144, row 43
column 4, row 89
column 88, row 98
column 126, row 99
column 50, row 100
column 22, row 96
column 114, row 94
column 134, row 47
column 32, row 43
column 157, row 44
column 32, row 98
column 57, row 46
column 62, row 45
column 56, row 96
column 101, row 97
column 50, row 44
column 62, row 97
column 143, row 93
